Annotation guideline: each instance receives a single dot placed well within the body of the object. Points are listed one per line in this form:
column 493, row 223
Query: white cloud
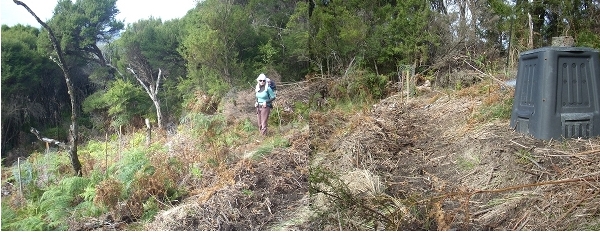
column 130, row 10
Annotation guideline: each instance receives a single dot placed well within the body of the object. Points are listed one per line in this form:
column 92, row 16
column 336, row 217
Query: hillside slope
column 407, row 164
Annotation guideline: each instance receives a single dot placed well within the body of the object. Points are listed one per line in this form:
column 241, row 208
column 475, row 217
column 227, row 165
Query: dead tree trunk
column 73, row 129
column 141, row 70
column 152, row 91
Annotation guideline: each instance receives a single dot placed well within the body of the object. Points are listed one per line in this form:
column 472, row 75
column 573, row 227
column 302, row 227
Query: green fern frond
column 8, row 216
column 88, row 209
column 88, row 193
column 30, row 223
column 57, row 202
column 133, row 161
column 74, row 185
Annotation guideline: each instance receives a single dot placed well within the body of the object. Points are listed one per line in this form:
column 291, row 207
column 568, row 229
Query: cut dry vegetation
column 437, row 161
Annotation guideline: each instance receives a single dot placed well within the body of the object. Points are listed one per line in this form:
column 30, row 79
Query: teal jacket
column 267, row 96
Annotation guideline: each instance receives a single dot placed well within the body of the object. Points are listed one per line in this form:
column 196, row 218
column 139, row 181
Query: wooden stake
column 20, row 180
column 106, row 154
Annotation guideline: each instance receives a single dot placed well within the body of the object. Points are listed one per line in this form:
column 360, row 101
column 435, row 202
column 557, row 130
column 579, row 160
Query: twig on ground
column 521, row 145
column 521, row 220
column 574, row 206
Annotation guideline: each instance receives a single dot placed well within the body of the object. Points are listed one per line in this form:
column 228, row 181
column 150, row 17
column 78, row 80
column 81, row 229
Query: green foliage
column 29, row 223
column 280, row 142
column 158, row 43
column 98, row 149
column 268, row 22
column 149, row 45
column 216, row 54
column 151, row 208
column 525, row 156
column 87, row 209
column 302, row 110
column 196, row 170
column 371, row 86
column 123, row 101
column 498, row 110
column 51, row 211
column 295, row 40
column 83, row 24
column 262, row 151
column 133, row 161
column 122, row 97
column 247, row 192
column 587, row 38
column 222, row 44
column 30, row 84
column 268, row 52
column 202, row 125
column 27, row 175
column 247, row 126
column 94, row 102
column 8, row 215
column 500, row 7
column 468, row 163
column 88, row 194
column 101, row 76
column 58, row 133
column 400, row 34
column 57, row 202
column 212, row 82
column 22, row 65
column 137, row 140
column 268, row 146
column 54, row 166
column 360, row 87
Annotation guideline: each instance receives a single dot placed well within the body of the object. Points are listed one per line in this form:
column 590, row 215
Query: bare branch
column 48, row 140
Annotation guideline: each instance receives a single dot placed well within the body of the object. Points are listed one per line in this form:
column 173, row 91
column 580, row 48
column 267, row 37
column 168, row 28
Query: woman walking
column 264, row 97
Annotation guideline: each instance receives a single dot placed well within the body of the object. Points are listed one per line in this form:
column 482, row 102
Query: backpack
column 272, row 85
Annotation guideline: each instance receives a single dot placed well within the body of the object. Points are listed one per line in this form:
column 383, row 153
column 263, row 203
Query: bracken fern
column 57, row 202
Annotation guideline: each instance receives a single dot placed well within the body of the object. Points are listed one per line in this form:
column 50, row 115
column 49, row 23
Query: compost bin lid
column 560, row 49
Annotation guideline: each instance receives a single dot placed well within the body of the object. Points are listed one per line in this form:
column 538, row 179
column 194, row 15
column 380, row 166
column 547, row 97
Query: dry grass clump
column 238, row 105
column 204, row 103
column 108, row 193
column 323, row 127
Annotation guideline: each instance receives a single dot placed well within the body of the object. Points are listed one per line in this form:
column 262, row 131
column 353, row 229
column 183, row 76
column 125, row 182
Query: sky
column 130, row 11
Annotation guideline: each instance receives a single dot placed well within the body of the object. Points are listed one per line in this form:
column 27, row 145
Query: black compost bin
column 557, row 93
